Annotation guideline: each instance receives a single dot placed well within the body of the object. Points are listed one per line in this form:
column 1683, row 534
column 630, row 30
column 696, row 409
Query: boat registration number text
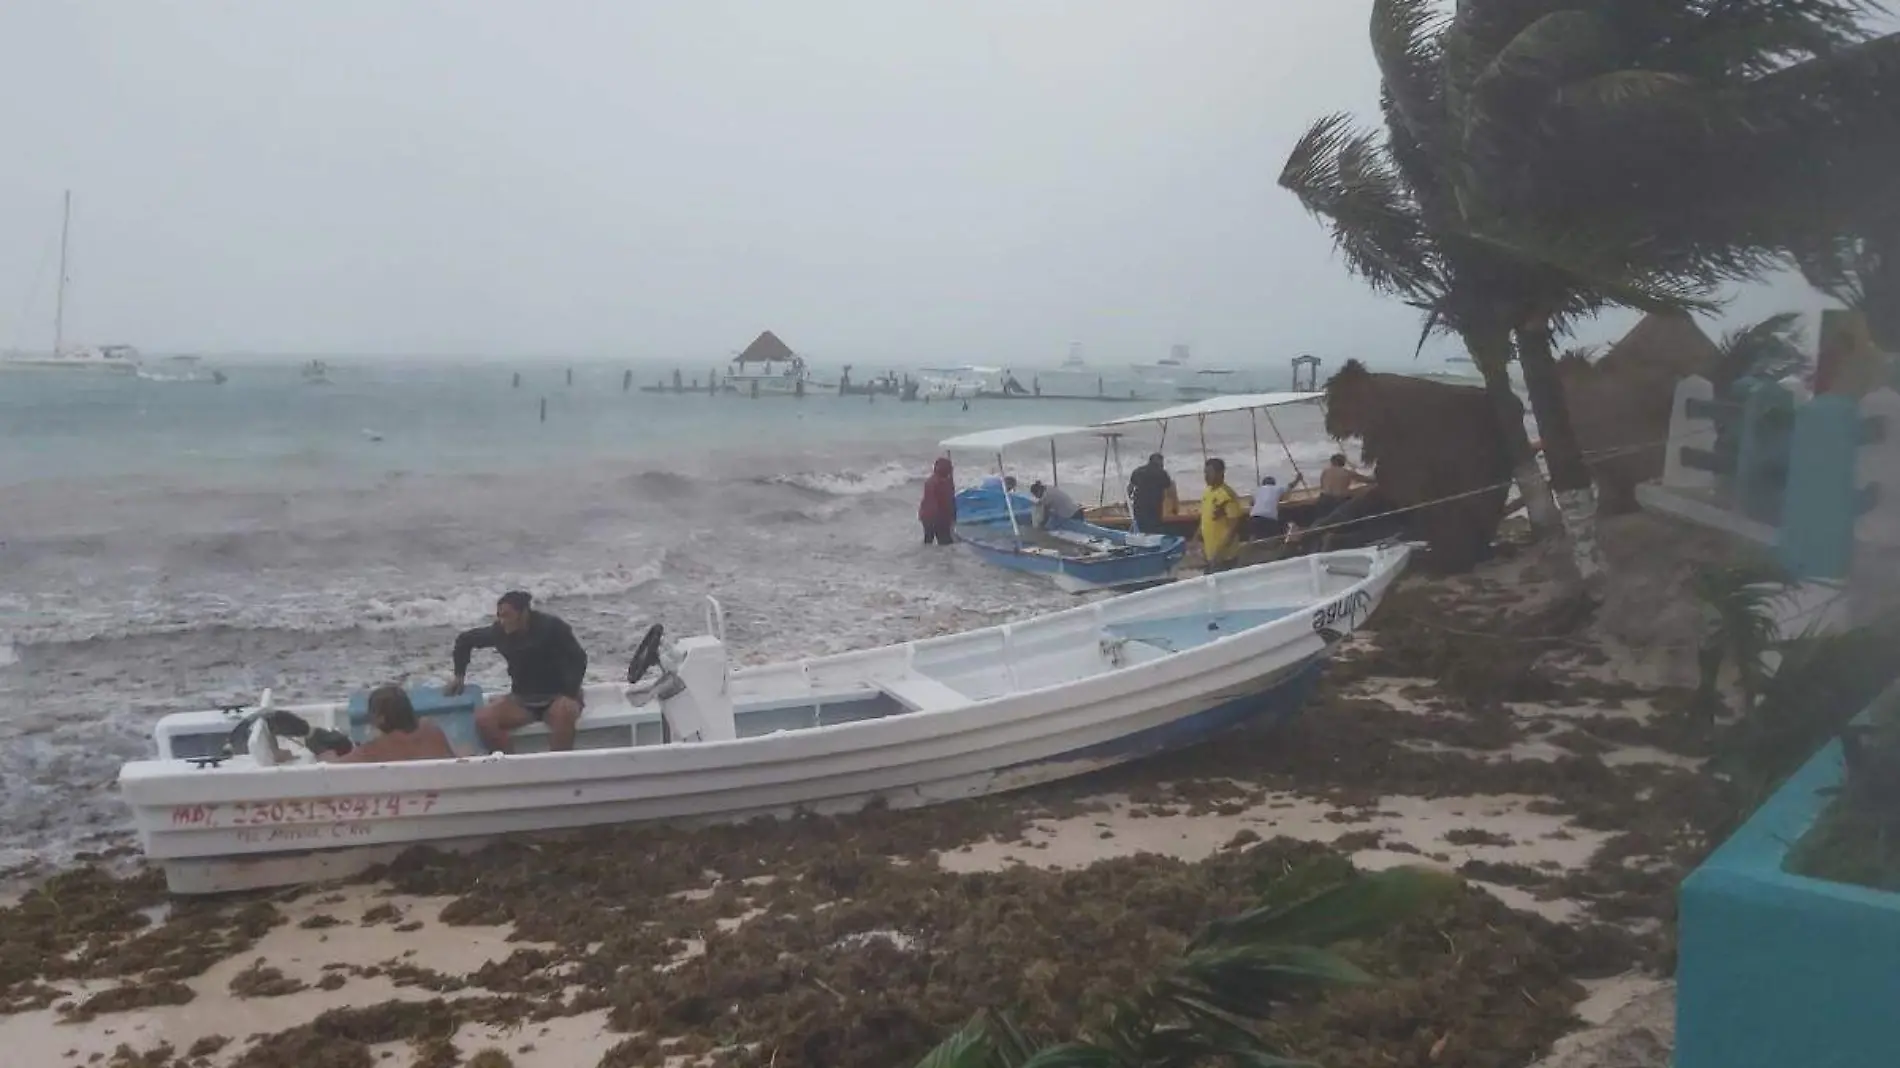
column 317, row 810
column 1344, row 613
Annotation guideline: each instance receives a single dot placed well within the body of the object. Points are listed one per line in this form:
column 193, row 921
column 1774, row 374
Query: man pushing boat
column 545, row 667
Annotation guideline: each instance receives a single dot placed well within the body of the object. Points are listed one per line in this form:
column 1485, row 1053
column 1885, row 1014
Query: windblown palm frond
column 1771, row 348
column 1405, row 36
column 1342, row 176
column 1738, row 604
column 1706, row 135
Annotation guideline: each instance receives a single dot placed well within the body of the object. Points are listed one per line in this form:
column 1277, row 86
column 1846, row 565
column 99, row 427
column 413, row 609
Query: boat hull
column 1162, row 679
column 984, row 525
column 1175, row 727
column 1081, row 575
column 97, row 367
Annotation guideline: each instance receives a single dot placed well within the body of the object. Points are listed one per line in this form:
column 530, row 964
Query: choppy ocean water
column 170, row 545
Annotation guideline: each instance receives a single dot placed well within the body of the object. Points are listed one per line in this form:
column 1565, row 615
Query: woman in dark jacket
column 938, row 512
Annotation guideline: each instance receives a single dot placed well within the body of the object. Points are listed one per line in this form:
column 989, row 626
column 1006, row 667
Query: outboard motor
column 263, row 741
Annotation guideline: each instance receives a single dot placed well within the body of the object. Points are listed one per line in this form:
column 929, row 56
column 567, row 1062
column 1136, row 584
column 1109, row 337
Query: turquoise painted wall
column 1821, row 503
column 1778, row 970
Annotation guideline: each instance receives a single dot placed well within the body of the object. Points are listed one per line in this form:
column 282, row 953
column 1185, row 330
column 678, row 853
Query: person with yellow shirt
column 1222, row 518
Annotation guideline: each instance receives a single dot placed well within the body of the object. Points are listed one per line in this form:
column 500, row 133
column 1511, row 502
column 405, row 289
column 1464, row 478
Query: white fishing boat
column 958, row 383
column 1192, row 383
column 316, row 373
column 1076, row 380
column 909, row 724
column 112, row 359
column 181, row 369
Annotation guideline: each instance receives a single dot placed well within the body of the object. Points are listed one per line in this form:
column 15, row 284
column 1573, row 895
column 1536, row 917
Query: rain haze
column 892, row 180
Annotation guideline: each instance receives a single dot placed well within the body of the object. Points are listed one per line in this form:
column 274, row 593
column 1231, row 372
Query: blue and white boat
column 1077, row 556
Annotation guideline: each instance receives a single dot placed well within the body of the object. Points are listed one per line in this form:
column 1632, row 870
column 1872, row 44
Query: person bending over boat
column 1148, row 490
column 1222, row 518
column 1053, row 505
column 545, row 667
column 1336, row 483
column 1263, row 519
column 400, row 734
column 938, row 511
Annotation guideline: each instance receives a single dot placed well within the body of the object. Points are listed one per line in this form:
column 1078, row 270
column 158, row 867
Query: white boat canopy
column 1235, row 402
column 1004, row 437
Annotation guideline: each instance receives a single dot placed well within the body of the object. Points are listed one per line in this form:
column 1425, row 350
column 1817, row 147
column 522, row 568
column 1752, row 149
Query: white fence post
column 1694, row 431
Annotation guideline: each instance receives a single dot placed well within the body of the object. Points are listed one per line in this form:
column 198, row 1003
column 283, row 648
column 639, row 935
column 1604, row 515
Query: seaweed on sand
column 263, row 981
column 341, row 1038
column 876, row 976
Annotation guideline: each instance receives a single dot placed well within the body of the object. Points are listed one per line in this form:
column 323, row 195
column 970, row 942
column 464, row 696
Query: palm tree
column 1559, row 156
column 1205, row 1008
column 1400, row 213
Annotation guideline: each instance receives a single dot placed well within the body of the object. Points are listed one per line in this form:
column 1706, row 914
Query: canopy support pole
column 1102, row 495
column 1055, row 476
column 1009, row 506
column 1297, row 475
column 1202, row 420
column 1253, row 427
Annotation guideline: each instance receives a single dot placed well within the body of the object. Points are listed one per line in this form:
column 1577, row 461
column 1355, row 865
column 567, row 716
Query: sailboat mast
column 59, row 307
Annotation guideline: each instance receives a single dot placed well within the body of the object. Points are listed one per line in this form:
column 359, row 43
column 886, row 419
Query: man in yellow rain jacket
column 1222, row 518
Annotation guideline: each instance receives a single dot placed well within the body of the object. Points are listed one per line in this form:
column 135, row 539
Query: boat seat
column 604, row 724
column 921, row 693
column 1178, row 633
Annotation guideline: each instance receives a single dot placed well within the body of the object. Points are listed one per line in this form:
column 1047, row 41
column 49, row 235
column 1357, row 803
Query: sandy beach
column 1549, row 771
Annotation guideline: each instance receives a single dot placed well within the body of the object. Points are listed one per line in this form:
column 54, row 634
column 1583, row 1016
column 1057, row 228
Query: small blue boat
column 1076, row 555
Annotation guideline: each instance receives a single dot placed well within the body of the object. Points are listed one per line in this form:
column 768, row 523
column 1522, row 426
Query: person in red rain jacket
column 938, row 512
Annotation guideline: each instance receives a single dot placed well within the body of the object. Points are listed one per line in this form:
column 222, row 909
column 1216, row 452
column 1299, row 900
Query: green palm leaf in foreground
column 1205, row 1008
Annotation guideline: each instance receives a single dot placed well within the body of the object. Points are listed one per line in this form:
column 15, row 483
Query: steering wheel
column 647, row 655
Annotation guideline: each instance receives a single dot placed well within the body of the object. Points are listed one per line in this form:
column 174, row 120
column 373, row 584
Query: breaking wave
column 380, row 599
column 853, row 483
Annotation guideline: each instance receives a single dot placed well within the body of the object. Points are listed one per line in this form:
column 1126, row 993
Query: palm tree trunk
column 1570, row 481
column 1491, row 351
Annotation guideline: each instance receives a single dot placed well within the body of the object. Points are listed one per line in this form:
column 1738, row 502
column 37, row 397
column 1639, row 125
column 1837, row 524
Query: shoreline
column 1553, row 783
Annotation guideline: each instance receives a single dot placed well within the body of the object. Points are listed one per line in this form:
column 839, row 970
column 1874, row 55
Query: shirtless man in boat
column 400, row 734
column 545, row 667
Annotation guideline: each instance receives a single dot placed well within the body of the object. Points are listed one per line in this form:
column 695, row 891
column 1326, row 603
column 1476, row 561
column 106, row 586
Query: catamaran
column 117, row 359
column 913, row 723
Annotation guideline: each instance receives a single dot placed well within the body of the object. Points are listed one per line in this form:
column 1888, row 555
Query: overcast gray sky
column 970, row 181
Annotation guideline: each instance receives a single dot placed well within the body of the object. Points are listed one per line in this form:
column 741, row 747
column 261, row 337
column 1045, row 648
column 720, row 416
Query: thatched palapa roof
column 1667, row 342
column 766, row 348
